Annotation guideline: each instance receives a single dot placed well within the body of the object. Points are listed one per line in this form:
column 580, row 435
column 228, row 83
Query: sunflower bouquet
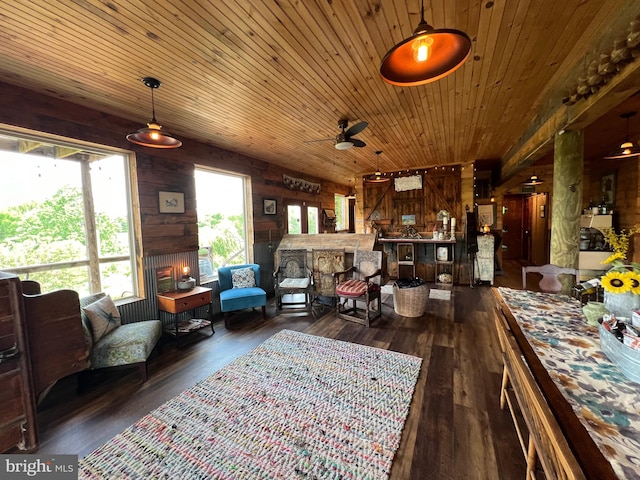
column 622, row 277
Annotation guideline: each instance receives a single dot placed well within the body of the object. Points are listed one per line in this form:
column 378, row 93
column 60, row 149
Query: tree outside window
column 65, row 220
column 222, row 226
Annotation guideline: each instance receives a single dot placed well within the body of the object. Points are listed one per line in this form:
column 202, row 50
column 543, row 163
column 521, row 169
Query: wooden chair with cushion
column 240, row 289
column 360, row 283
column 550, row 283
column 293, row 277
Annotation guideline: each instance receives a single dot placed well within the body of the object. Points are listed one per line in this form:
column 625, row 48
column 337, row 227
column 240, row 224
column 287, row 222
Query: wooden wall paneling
column 626, row 212
column 408, row 203
column 161, row 170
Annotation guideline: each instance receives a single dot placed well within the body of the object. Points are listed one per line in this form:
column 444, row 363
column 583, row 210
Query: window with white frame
column 65, row 215
column 222, row 220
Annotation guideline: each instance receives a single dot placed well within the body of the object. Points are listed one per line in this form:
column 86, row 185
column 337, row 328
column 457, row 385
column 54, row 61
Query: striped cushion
column 352, row 288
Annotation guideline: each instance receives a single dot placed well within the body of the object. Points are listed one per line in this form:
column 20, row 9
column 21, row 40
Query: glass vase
column 621, row 304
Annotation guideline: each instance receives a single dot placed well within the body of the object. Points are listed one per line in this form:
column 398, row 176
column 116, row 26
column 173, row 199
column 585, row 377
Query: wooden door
column 539, row 229
column 512, row 224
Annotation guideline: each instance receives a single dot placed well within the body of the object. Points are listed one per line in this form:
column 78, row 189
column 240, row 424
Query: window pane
column 44, row 215
column 221, row 220
column 294, row 218
column 116, row 279
column 42, row 203
column 108, row 184
column 312, row 219
column 75, row 278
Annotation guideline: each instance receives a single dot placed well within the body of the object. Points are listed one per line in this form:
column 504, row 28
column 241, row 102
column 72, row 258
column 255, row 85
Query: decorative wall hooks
column 300, row 184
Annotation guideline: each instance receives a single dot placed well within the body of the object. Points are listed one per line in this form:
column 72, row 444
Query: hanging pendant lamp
column 426, row 56
column 352, row 193
column 627, row 149
column 378, row 176
column 153, row 136
column 533, row 180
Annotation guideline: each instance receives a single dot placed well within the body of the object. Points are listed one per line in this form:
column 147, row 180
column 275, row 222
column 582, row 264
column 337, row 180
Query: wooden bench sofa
column 62, row 340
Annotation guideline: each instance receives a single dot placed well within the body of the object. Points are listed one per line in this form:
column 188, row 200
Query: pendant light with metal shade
column 377, row 177
column 153, row 136
column 533, row 180
column 352, row 193
column 426, row 56
column 627, row 149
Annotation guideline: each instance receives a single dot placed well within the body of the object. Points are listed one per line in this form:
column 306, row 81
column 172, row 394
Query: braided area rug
column 296, row 406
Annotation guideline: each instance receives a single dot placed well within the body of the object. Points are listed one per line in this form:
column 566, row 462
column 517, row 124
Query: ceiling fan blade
column 357, row 143
column 355, row 129
column 319, row 140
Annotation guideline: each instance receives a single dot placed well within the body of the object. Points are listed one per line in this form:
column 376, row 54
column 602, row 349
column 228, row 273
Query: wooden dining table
column 595, row 405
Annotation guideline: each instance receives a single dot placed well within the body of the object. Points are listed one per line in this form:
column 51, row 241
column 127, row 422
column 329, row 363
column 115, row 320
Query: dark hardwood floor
column 455, row 427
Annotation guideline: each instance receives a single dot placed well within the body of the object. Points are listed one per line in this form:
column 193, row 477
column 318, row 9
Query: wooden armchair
column 360, row 283
column 293, row 277
column 325, row 263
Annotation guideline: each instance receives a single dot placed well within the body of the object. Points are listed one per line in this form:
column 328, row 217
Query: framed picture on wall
column 171, row 202
column 164, row 279
column 270, row 206
column 608, row 189
column 487, row 215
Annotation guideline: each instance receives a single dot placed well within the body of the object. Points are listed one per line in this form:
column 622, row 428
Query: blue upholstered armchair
column 239, row 289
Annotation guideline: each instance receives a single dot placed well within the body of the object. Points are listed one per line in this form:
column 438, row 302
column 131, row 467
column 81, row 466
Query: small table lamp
column 186, row 282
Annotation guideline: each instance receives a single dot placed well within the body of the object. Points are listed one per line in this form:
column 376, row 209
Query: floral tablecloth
column 606, row 402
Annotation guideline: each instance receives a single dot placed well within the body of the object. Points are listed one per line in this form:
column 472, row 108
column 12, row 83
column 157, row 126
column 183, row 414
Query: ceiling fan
column 344, row 139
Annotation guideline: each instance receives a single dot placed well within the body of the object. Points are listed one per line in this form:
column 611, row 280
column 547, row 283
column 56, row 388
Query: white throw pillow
column 103, row 316
column 243, row 278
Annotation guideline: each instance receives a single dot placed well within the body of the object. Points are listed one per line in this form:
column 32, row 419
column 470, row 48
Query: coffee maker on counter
column 593, row 247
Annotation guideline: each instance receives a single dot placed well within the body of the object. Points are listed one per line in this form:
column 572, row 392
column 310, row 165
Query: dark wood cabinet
column 18, row 412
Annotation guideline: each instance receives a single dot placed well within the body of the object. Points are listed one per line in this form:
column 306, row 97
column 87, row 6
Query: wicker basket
column 410, row 302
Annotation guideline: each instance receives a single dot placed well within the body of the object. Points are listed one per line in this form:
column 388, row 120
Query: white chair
column 549, row 282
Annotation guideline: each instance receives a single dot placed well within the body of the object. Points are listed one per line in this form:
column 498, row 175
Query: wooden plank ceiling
column 267, row 78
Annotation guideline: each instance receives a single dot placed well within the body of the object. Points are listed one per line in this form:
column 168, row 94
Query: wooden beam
column 64, row 152
column 26, row 146
column 539, row 139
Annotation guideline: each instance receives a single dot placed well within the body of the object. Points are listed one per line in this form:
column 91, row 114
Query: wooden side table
column 179, row 301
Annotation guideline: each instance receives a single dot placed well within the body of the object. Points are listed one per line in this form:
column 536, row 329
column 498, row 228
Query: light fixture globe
column 533, row 180
column 342, row 143
column 377, row 177
column 153, row 136
column 627, row 148
column 426, row 56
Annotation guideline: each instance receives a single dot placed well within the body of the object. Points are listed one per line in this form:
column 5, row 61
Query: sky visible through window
column 226, row 189
column 26, row 178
